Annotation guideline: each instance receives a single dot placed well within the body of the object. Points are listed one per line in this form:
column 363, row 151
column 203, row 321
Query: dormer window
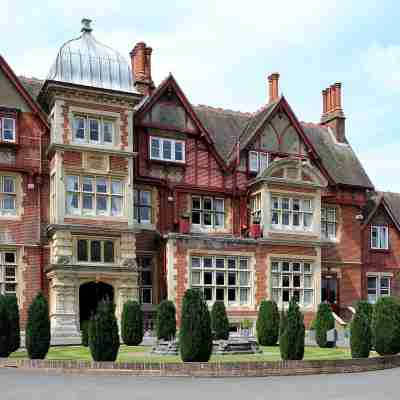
column 258, row 161
column 93, row 130
column 7, row 128
column 379, row 237
column 167, row 149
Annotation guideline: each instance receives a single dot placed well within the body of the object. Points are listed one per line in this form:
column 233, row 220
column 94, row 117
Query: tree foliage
column 85, row 333
column 219, row 321
column 166, row 320
column 103, row 333
column 38, row 328
column 195, row 336
column 13, row 313
column 132, row 323
column 267, row 326
column 5, row 329
column 324, row 322
column 386, row 326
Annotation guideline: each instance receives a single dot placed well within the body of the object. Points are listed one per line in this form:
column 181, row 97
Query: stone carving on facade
column 130, row 263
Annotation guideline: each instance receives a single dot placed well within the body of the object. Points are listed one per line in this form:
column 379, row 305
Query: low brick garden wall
column 218, row 369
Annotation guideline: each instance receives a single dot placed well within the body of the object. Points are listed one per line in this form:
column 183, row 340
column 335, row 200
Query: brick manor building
column 113, row 186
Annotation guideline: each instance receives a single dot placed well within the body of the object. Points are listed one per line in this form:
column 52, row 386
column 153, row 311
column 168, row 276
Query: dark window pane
column 195, row 217
column 95, row 251
column 296, row 280
column 207, row 278
column 10, row 258
column 207, row 262
column 220, row 278
column 231, row 294
column 82, row 250
column 285, row 280
column 219, row 294
column 207, row 219
column 208, row 294
column 108, row 251
column 146, row 296
column 232, row 278
column 285, row 295
column 296, row 296
column 146, row 278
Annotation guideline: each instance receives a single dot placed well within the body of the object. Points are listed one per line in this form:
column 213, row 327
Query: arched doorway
column 90, row 294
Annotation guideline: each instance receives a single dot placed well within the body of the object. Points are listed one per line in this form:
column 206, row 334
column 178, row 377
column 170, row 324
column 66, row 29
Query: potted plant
column 184, row 223
column 256, row 227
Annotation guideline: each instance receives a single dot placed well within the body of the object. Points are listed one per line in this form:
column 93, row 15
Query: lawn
column 143, row 354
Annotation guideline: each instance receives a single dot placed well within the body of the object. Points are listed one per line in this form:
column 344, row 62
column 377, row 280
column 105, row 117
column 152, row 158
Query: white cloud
column 383, row 66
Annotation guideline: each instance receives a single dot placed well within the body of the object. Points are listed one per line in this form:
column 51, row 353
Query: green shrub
column 360, row 331
column 292, row 332
column 103, row 333
column 13, row 313
column 324, row 322
column 219, row 321
column 5, row 329
column 386, row 326
column 195, row 336
column 132, row 323
column 267, row 325
column 38, row 328
column 85, row 333
column 166, row 320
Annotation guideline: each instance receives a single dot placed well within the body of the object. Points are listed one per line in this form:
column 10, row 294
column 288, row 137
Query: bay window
column 328, row 223
column 255, row 206
column 8, row 272
column 208, row 211
column 94, row 195
column 258, row 161
column 8, row 195
column 167, row 149
column 379, row 237
column 291, row 213
column 378, row 286
column 142, row 206
column 94, row 130
column 95, row 251
column 222, row 278
column 292, row 279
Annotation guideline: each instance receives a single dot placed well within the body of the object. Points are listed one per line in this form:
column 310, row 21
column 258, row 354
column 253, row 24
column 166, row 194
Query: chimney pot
column 273, row 84
column 141, row 67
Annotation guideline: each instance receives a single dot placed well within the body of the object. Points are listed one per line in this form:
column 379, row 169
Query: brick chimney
column 141, row 68
column 332, row 113
column 273, row 87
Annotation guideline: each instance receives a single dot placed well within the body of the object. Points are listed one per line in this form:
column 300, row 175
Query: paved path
column 21, row 385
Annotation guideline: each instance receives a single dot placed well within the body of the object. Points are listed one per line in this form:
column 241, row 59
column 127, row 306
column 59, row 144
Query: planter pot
column 184, row 225
column 255, row 231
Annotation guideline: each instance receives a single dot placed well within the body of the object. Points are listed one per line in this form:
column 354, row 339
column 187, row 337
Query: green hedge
column 166, row 320
column 324, row 322
column 85, row 333
column 267, row 325
column 13, row 313
column 360, row 331
column 5, row 329
column 195, row 336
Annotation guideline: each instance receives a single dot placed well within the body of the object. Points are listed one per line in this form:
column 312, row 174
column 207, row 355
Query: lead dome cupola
column 86, row 61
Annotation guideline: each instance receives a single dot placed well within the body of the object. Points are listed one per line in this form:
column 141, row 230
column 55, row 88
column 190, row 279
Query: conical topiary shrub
column 291, row 340
column 166, row 320
column 219, row 321
column 324, row 322
column 5, row 329
column 360, row 332
column 267, row 323
column 38, row 328
column 386, row 326
column 103, row 333
column 132, row 323
column 195, row 336
column 13, row 313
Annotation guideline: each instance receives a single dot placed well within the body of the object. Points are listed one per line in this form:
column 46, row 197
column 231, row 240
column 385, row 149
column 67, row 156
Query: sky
column 221, row 51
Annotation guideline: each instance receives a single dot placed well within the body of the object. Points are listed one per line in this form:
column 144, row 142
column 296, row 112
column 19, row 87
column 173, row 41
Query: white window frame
column 7, row 212
column 138, row 205
column 80, row 193
column 381, row 230
column 326, row 219
column 87, row 139
column 2, row 120
column 4, row 279
column 88, row 244
column 255, row 161
column 145, row 287
column 373, row 294
column 256, row 206
column 161, row 142
column 214, row 267
column 284, row 271
column 293, row 214
column 202, row 211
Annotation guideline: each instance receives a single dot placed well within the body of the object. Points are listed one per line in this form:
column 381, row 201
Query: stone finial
column 86, row 25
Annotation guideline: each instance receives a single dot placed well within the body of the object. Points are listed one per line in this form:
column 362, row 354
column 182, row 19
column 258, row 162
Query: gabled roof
column 9, row 73
column 389, row 201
